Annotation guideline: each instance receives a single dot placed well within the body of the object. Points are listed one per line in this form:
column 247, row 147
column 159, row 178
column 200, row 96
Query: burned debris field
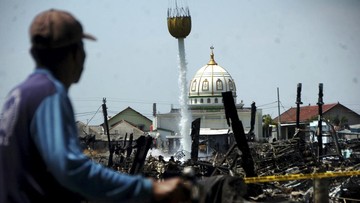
column 299, row 169
column 224, row 174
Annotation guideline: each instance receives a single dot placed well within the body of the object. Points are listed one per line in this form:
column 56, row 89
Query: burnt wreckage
column 300, row 169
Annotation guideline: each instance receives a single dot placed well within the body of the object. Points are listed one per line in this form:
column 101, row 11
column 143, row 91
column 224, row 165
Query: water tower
column 179, row 26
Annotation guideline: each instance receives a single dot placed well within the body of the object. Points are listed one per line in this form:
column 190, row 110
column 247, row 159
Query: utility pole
column 106, row 127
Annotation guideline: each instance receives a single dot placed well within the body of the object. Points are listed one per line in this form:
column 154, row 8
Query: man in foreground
column 40, row 156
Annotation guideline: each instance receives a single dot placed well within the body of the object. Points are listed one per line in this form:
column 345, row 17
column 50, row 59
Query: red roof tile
column 306, row 113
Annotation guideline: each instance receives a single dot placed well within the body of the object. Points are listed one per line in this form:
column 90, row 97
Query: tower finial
column 212, row 60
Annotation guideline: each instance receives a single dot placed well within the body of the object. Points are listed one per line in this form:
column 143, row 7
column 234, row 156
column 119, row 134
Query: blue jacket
column 40, row 156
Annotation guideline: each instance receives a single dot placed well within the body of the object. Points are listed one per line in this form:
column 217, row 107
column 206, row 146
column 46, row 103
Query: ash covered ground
column 219, row 177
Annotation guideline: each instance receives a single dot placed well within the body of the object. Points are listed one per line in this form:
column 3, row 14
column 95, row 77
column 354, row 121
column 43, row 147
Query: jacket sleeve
column 55, row 134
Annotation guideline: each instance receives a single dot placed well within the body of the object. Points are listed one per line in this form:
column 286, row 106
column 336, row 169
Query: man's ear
column 75, row 52
column 80, row 52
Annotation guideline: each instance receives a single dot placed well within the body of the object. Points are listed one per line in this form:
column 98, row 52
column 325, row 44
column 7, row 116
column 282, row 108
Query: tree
column 339, row 122
column 267, row 123
column 267, row 120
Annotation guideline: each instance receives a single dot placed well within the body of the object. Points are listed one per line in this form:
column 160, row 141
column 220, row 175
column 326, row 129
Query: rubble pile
column 278, row 157
column 291, row 157
column 283, row 157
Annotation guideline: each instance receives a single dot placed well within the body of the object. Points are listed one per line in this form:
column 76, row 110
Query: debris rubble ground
column 220, row 177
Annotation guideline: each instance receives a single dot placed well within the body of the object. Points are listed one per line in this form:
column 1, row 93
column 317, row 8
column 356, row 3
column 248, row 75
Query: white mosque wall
column 168, row 121
column 213, row 120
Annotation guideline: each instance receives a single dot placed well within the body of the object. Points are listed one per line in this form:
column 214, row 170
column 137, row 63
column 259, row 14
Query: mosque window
column 216, row 100
column 219, row 85
column 231, row 85
column 205, row 86
column 208, row 100
column 201, row 101
column 195, row 101
column 193, row 86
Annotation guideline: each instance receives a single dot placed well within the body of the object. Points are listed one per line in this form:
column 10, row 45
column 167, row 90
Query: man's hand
column 172, row 190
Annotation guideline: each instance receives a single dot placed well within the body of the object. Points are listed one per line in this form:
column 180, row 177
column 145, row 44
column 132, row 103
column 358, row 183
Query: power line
column 85, row 113
column 271, row 107
column 268, row 104
column 285, row 111
column 90, row 99
column 93, row 115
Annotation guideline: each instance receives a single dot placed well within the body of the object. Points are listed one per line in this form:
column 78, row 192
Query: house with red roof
column 335, row 113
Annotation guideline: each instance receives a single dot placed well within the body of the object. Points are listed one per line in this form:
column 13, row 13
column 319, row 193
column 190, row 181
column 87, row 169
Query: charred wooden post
column 129, row 146
column 143, row 145
column 298, row 103
column 122, row 149
column 251, row 135
column 195, row 131
column 124, row 143
column 299, row 132
column 336, row 141
column 106, row 126
column 321, row 186
column 319, row 137
column 240, row 138
column 239, row 134
column 321, row 190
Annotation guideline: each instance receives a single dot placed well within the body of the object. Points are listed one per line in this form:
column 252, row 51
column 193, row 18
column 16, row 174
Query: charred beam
column 143, row 145
column 319, row 137
column 251, row 135
column 195, row 131
column 298, row 103
column 239, row 134
column 129, row 147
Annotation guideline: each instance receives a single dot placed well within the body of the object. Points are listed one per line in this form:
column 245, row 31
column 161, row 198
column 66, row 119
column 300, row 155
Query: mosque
column 205, row 102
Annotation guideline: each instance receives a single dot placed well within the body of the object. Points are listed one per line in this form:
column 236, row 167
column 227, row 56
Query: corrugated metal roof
column 209, row 131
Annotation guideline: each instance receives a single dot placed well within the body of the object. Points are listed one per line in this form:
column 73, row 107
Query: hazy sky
column 263, row 44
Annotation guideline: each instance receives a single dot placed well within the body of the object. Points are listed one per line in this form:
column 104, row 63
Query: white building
column 205, row 102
